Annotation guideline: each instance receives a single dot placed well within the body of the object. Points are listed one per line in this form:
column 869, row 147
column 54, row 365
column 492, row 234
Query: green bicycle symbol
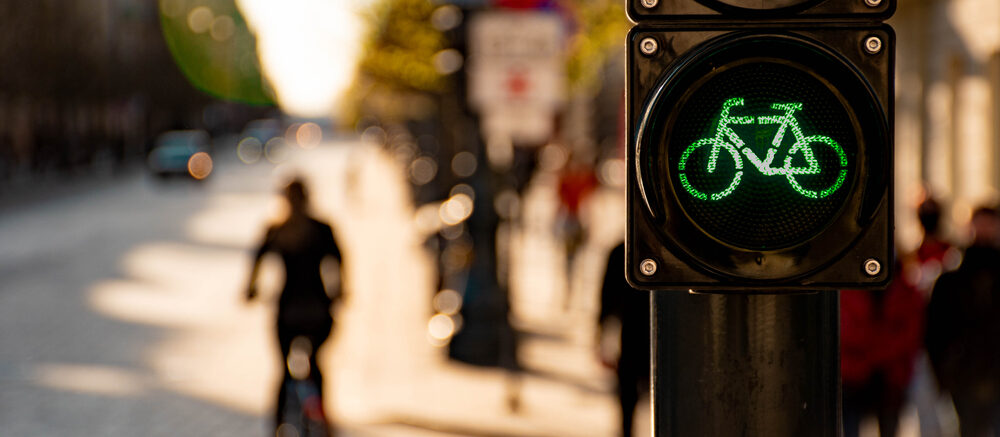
column 727, row 139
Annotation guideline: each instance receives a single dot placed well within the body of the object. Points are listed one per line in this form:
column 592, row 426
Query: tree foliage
column 601, row 26
column 396, row 75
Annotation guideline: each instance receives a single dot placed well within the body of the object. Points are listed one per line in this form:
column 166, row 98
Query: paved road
column 97, row 286
column 120, row 314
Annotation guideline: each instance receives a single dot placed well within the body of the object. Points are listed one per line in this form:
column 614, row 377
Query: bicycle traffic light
column 760, row 144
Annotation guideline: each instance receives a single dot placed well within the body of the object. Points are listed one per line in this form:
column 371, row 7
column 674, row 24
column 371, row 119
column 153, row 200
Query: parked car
column 181, row 152
column 263, row 130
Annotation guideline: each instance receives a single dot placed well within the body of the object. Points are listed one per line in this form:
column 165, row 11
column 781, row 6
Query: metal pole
column 729, row 365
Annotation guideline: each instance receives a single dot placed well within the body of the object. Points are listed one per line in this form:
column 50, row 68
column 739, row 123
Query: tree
column 397, row 78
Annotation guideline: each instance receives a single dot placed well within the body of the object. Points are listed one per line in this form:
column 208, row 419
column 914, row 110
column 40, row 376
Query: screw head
column 648, row 46
column 647, row 267
column 873, row 267
column 873, row 3
column 650, row 4
column 873, row 45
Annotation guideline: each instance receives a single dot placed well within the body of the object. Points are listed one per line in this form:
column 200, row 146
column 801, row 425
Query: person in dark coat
column 304, row 318
column 630, row 307
column 963, row 330
column 934, row 256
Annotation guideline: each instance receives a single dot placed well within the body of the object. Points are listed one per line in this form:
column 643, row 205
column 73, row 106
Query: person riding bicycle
column 303, row 243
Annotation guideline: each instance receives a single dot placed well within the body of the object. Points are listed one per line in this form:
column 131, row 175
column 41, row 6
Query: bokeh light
column 448, row 61
column 552, row 157
column 440, row 328
column 223, row 27
column 446, row 17
column 507, row 204
column 456, row 209
column 200, row 19
column 448, row 302
column 308, row 135
column 465, row 189
column 423, row 170
column 374, row 135
column 453, row 232
column 464, row 164
column 200, row 165
column 612, row 172
column 275, row 150
column 249, row 150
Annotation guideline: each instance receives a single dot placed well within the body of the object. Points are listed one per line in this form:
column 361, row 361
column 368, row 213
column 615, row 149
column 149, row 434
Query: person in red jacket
column 577, row 182
column 881, row 336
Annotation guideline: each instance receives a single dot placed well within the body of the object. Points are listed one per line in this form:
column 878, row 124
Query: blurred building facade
column 88, row 84
column 947, row 109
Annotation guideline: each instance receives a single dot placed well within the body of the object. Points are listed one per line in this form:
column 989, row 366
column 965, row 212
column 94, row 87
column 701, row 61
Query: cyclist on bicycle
column 304, row 306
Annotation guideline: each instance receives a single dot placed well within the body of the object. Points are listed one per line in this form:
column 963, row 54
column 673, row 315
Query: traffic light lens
column 762, row 153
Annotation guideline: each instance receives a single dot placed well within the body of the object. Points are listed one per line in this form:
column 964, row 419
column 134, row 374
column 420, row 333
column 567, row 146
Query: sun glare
column 308, row 50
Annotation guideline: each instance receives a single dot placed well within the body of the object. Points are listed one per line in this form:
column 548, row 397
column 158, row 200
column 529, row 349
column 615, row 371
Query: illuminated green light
column 690, row 189
column 731, row 188
column 726, row 138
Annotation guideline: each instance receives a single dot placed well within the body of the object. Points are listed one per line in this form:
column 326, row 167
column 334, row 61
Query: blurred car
column 263, row 130
column 262, row 138
column 181, row 152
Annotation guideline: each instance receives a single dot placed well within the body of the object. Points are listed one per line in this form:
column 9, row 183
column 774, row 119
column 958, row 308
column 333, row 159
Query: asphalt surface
column 121, row 311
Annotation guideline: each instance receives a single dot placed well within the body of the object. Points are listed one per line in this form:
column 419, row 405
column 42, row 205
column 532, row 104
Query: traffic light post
column 745, row 365
column 759, row 183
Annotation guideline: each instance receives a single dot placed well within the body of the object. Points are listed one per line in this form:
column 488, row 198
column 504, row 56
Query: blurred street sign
column 517, row 73
column 527, row 4
column 468, row 4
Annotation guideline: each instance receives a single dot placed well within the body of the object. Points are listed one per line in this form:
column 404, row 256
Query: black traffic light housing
column 660, row 10
column 763, row 227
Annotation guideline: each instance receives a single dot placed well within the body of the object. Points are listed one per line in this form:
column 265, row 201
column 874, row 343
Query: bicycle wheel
column 831, row 173
column 303, row 411
column 700, row 172
column 290, row 419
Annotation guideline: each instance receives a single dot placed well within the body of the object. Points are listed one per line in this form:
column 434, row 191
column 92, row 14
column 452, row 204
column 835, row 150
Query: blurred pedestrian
column 963, row 330
column 934, row 256
column 304, row 318
column 881, row 337
column 577, row 182
column 629, row 308
column 486, row 338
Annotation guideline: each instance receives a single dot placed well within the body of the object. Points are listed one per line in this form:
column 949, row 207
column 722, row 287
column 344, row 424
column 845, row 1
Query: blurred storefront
column 947, row 109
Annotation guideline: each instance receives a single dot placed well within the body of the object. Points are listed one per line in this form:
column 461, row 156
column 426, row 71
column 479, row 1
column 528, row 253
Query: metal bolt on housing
column 873, row 267
column 648, row 267
column 650, row 4
column 873, row 3
column 873, row 44
column 648, row 46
